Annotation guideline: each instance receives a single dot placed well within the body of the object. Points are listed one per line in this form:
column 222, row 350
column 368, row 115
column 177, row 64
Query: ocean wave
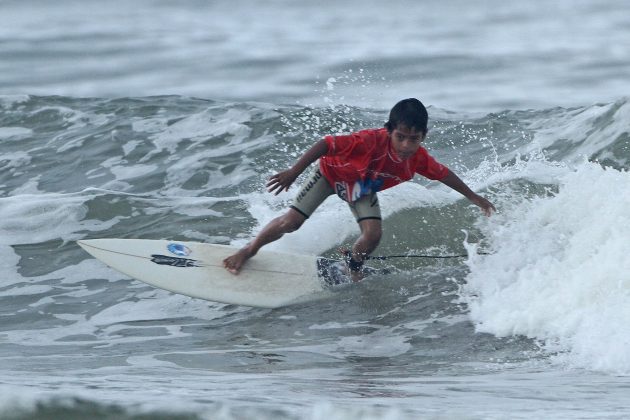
column 559, row 272
column 195, row 169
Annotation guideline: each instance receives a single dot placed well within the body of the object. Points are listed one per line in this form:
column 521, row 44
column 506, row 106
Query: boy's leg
column 367, row 212
column 371, row 232
column 314, row 191
column 288, row 222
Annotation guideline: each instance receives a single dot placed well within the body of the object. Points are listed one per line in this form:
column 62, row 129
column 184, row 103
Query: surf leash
column 387, row 257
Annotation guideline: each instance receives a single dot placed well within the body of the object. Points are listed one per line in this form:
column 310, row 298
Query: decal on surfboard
column 174, row 261
column 180, row 250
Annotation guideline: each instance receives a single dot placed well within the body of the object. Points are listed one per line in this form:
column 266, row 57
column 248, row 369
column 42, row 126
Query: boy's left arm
column 458, row 185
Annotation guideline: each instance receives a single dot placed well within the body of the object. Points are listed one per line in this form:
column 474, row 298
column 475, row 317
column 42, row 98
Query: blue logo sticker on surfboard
column 179, row 249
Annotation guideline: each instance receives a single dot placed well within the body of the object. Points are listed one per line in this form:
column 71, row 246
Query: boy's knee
column 372, row 232
column 374, row 236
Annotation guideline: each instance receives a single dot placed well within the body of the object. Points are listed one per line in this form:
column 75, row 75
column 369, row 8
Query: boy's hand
column 281, row 181
column 485, row 205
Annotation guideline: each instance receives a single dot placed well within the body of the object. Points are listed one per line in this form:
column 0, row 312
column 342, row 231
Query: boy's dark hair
column 409, row 112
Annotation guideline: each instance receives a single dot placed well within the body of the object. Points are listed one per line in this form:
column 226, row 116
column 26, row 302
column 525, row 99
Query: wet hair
column 409, row 112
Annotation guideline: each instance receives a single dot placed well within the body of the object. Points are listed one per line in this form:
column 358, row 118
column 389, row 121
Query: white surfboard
column 268, row 280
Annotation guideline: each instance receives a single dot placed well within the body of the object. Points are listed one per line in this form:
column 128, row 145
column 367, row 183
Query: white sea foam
column 108, row 326
column 15, row 160
column 194, row 131
column 10, row 100
column 201, row 126
column 38, row 217
column 26, row 289
column 124, row 172
column 14, row 133
column 384, row 342
column 592, row 129
column 560, row 271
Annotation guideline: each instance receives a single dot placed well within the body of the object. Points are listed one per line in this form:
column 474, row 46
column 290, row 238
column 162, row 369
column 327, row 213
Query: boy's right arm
column 453, row 181
column 283, row 180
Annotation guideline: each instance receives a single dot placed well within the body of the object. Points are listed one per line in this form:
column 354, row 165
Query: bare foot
column 233, row 263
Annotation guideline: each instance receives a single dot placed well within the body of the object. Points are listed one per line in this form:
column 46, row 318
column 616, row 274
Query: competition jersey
column 364, row 162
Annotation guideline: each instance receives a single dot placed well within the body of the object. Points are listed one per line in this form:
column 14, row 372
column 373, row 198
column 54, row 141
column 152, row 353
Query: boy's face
column 406, row 141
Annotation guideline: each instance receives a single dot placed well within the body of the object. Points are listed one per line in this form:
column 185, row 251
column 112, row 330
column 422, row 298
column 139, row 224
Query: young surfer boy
column 355, row 167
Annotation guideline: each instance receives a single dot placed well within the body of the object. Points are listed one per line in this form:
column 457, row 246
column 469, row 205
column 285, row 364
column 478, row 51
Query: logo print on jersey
column 352, row 193
column 340, row 188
